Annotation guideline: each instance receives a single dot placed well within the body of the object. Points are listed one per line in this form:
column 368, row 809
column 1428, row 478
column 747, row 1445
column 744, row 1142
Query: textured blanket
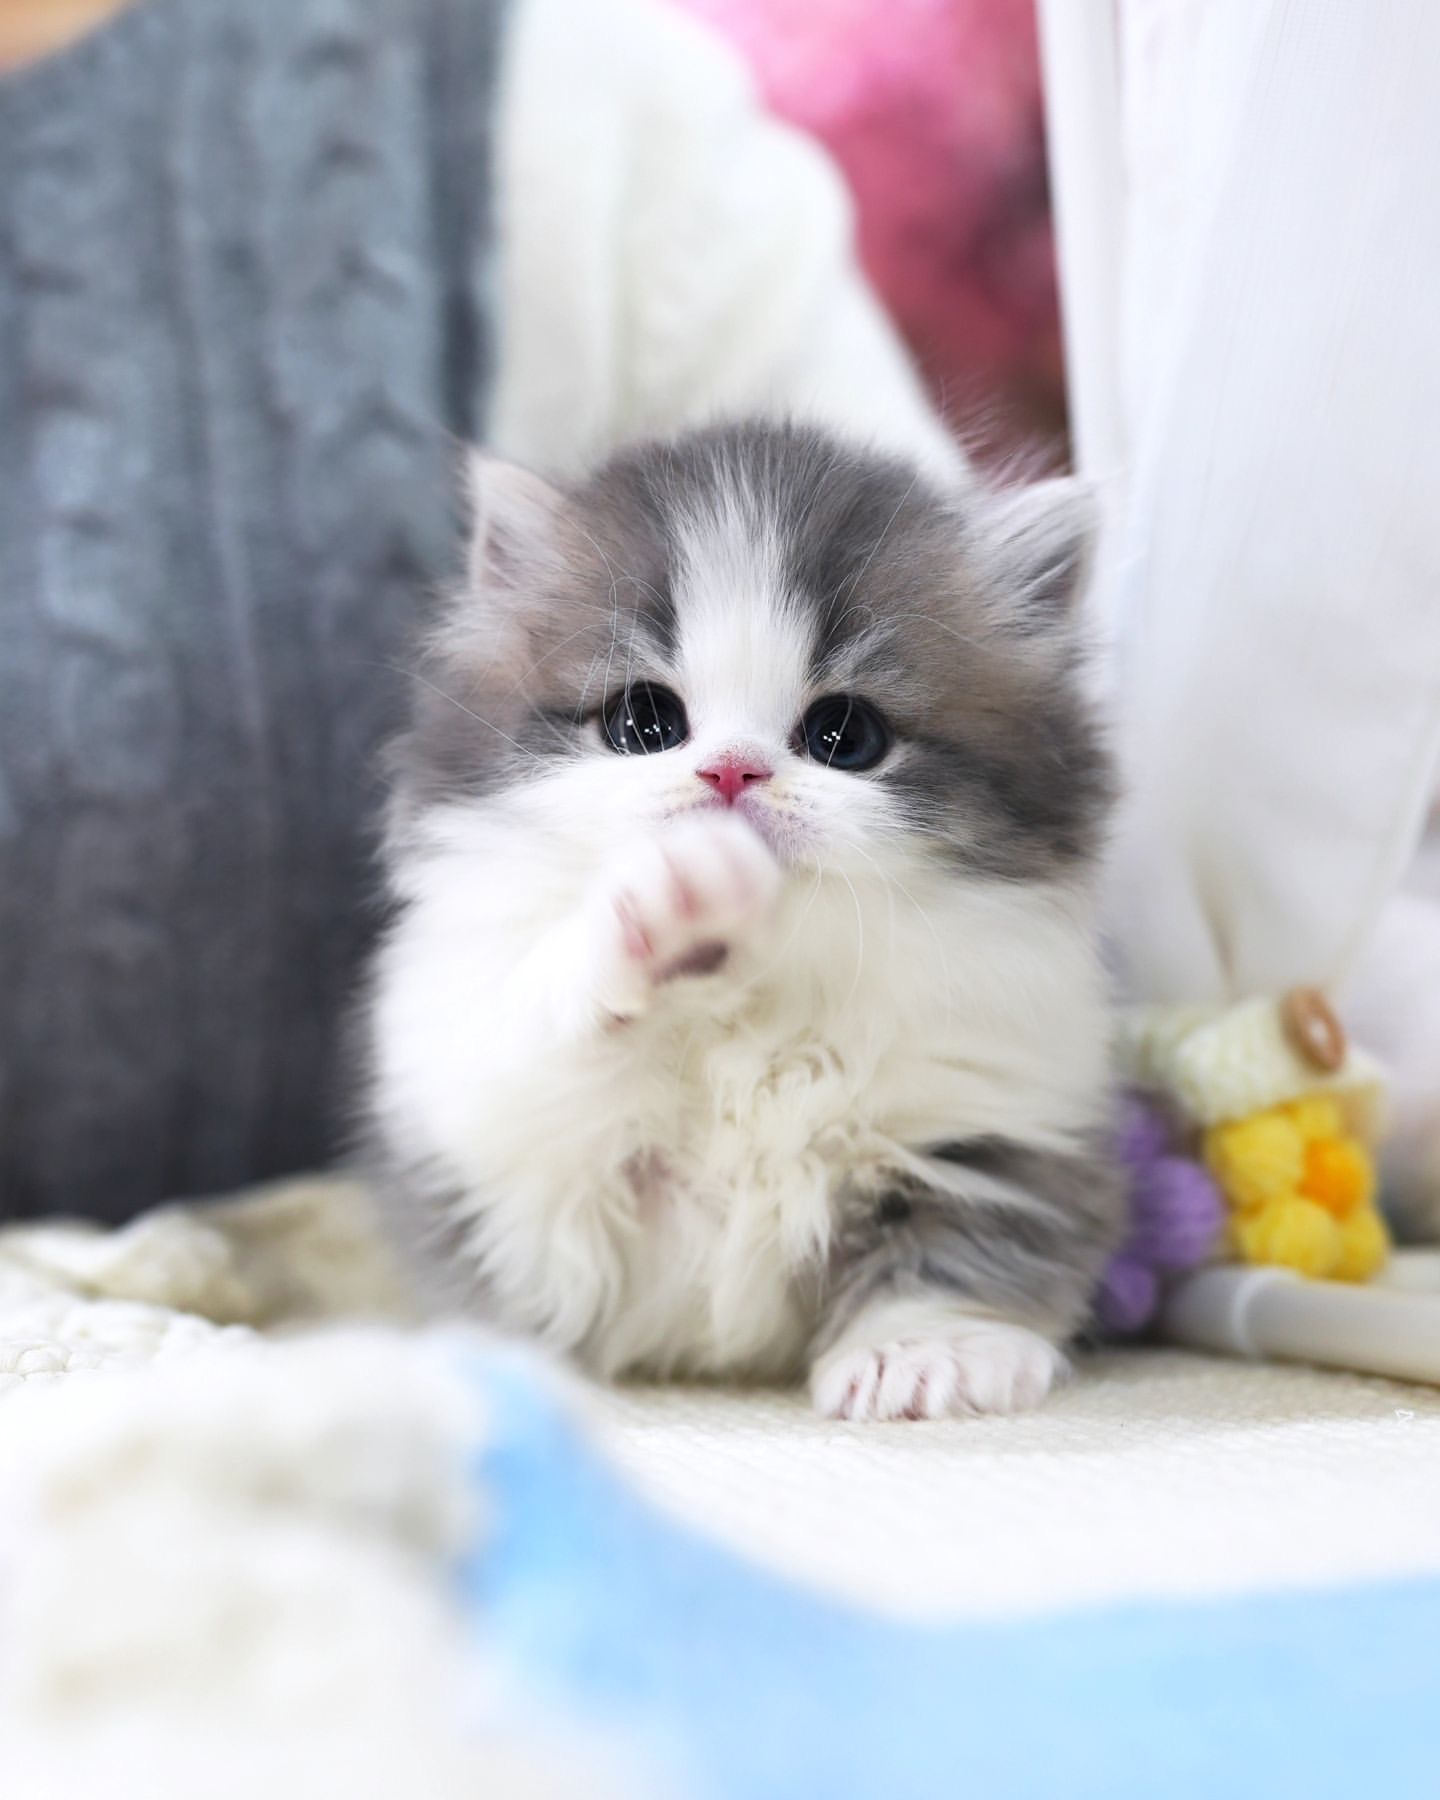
column 252, row 1530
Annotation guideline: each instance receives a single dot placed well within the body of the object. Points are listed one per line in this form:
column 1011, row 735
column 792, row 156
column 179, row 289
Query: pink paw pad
column 683, row 899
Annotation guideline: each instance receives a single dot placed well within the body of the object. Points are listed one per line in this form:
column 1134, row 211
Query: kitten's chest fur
column 692, row 1201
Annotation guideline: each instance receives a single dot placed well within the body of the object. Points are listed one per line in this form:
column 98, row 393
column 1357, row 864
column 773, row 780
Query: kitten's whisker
column 859, row 937
column 540, row 661
column 784, row 950
column 853, row 581
column 888, row 885
column 424, row 682
column 894, row 881
column 960, row 637
column 610, row 570
column 645, row 586
column 617, row 576
column 599, row 550
column 614, row 639
column 585, row 687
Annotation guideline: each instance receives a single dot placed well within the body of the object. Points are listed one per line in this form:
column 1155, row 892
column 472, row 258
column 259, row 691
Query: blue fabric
column 758, row 1689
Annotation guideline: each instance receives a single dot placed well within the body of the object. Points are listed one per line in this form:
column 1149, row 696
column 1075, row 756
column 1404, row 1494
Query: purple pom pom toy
column 1176, row 1215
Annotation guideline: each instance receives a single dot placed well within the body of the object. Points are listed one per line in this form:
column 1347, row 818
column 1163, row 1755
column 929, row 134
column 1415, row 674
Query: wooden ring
column 1312, row 1030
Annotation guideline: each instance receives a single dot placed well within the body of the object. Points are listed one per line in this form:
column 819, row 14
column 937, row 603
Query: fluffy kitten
column 741, row 1011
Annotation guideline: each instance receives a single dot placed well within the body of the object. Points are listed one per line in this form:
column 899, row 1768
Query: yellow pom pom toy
column 1290, row 1233
column 1302, row 1190
column 1257, row 1160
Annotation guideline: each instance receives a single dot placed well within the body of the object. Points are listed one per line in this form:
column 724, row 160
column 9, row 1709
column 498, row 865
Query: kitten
column 741, row 1012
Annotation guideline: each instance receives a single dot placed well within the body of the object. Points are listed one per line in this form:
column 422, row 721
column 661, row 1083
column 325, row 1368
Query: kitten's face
column 756, row 618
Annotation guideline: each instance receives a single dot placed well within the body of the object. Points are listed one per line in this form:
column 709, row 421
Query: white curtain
column 1258, row 358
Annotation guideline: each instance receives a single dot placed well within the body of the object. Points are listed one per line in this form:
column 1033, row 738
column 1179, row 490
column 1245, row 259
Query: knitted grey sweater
column 244, row 262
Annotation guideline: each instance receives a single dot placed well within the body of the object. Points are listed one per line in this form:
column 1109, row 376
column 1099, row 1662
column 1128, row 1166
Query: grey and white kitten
column 741, row 1012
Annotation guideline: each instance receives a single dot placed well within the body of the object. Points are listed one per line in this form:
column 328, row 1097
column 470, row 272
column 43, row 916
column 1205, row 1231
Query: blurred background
column 932, row 110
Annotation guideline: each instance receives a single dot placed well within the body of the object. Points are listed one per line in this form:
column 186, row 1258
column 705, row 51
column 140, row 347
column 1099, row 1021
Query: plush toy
column 1255, row 1148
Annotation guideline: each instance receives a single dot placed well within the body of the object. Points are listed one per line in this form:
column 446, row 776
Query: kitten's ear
column 1040, row 541
column 516, row 521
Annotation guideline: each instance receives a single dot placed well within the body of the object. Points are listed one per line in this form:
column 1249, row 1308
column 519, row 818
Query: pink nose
column 731, row 775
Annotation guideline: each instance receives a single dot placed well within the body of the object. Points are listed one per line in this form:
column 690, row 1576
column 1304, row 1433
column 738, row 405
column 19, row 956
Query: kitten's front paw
column 976, row 1366
column 680, row 902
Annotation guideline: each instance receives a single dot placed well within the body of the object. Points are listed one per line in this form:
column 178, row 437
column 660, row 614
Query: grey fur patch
column 419, row 1204
column 950, row 613
column 1034, row 1260
column 568, row 599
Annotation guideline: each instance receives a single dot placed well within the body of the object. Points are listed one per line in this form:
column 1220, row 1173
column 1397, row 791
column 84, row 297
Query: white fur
column 649, row 1163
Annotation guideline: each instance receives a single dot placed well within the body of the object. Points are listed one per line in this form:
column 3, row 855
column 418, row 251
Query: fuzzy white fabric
column 216, row 1535
column 672, row 252
column 222, row 1554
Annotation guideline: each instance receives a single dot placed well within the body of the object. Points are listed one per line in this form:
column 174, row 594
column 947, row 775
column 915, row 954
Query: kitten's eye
column 844, row 732
column 644, row 719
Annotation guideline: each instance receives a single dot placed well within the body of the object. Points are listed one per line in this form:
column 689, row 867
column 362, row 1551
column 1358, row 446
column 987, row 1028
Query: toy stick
column 1390, row 1329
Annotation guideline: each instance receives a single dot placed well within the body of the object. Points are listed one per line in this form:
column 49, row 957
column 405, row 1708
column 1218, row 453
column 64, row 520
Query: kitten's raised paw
column 681, row 900
column 980, row 1366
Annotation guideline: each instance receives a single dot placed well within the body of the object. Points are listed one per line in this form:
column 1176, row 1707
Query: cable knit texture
column 245, row 266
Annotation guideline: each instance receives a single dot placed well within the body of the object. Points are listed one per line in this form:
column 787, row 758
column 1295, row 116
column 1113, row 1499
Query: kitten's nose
column 731, row 775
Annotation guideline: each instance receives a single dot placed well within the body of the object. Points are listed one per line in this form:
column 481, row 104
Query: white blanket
column 226, row 1517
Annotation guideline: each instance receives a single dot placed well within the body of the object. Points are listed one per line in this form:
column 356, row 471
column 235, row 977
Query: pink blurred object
column 932, row 109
